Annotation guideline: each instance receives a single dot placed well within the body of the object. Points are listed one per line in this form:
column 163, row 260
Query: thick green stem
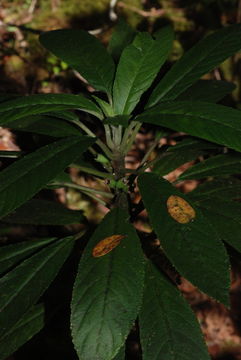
column 118, row 164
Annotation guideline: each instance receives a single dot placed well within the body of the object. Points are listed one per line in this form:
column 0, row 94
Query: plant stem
column 127, row 134
column 132, row 137
column 93, row 172
column 100, row 143
column 102, row 202
column 84, row 188
column 143, row 167
column 152, row 147
column 108, row 136
column 117, row 135
column 79, row 234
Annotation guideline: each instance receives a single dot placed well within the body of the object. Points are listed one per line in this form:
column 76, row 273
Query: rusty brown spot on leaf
column 106, row 245
column 180, row 210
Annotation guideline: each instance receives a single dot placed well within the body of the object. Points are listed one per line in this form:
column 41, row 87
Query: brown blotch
column 106, row 245
column 180, row 210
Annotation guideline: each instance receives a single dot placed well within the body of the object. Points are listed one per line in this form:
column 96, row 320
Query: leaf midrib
column 137, row 72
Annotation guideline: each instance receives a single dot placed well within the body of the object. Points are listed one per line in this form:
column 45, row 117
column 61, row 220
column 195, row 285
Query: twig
column 84, row 188
column 32, row 6
column 112, row 14
column 152, row 13
column 22, row 27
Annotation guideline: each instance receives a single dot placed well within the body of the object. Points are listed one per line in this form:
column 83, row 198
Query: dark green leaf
column 104, row 105
column 138, row 66
column 217, row 123
column 23, row 179
column 65, row 115
column 121, row 354
column 172, row 160
column 122, row 36
column 222, row 188
column 192, row 144
column 207, row 90
column 46, row 125
column 11, row 255
column 117, row 120
column 44, row 212
column 84, row 53
column 6, row 97
column 224, row 215
column 215, row 200
column 214, row 166
column 107, row 292
column 193, row 247
column 22, row 287
column 31, row 323
column 43, row 103
column 185, row 151
column 199, row 60
column 168, row 327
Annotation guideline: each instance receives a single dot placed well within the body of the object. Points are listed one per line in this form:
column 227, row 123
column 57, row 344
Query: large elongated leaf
column 225, row 218
column 24, row 330
column 121, row 354
column 6, row 97
column 23, row 179
column 107, row 291
column 220, row 188
column 213, row 198
column 138, row 66
column 11, row 255
column 46, row 125
column 65, row 115
column 207, row 90
column 122, row 36
column 175, row 156
column 199, row 60
column 217, row 123
column 215, row 166
column 192, row 246
column 44, row 212
column 83, row 52
column 168, row 327
column 43, row 103
column 23, row 286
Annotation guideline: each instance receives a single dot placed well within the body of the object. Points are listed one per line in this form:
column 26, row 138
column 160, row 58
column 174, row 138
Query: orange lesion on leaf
column 106, row 245
column 180, row 210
